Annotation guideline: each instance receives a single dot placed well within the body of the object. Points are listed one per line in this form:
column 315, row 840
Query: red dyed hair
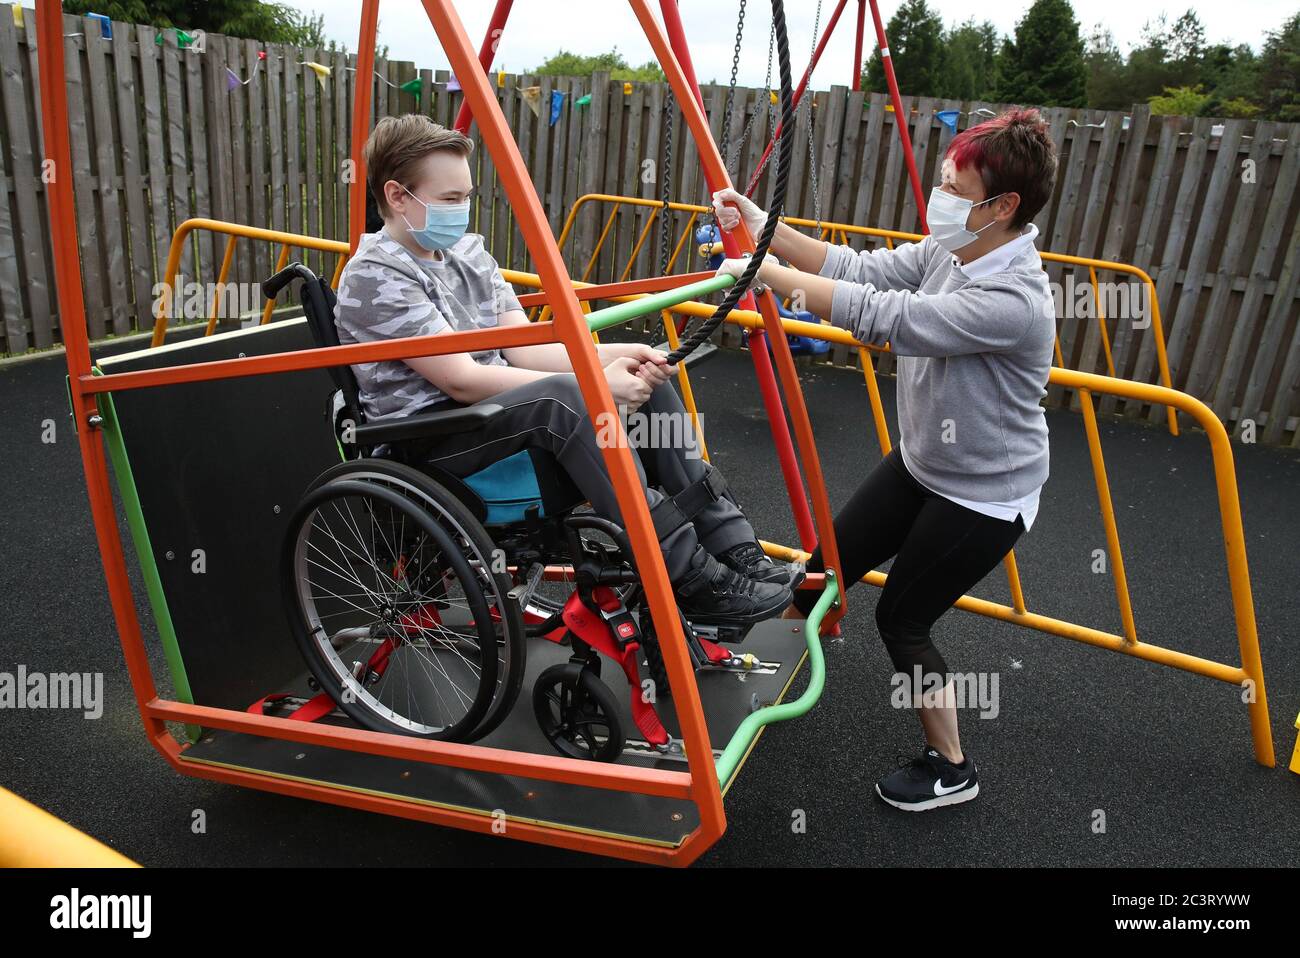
column 1013, row 153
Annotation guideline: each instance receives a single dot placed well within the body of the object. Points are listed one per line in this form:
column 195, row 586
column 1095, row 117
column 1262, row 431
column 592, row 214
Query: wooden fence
column 244, row 131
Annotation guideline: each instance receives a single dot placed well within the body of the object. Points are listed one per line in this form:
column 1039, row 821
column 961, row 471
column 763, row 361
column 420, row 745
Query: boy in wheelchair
column 422, row 274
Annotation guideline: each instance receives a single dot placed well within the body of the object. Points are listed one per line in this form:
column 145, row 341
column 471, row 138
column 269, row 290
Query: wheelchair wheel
column 477, row 547
column 389, row 614
column 580, row 717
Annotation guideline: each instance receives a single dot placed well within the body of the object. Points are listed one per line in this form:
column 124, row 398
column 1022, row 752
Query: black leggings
column 941, row 550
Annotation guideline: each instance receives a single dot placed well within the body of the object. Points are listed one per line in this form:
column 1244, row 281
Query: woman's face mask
column 444, row 224
column 946, row 216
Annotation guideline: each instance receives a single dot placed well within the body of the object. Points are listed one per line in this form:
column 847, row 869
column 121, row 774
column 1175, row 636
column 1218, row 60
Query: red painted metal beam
column 496, row 27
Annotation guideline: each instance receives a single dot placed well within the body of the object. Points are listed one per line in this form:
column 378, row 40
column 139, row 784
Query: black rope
column 784, row 154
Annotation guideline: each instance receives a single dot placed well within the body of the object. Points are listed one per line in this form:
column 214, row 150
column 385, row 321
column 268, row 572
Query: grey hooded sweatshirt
column 974, row 352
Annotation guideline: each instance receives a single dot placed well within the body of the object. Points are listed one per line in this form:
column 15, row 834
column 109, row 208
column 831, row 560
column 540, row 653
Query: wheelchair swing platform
column 727, row 698
column 213, row 469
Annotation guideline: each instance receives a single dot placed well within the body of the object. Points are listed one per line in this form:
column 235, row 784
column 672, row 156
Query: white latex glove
column 734, row 267
column 729, row 216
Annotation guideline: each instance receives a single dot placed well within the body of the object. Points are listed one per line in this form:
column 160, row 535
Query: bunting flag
column 321, row 70
column 627, row 87
column 533, row 97
column 453, row 85
column 18, row 15
column 583, row 100
column 183, row 40
column 413, row 87
column 232, row 78
column 105, row 24
column 949, row 118
column 557, row 101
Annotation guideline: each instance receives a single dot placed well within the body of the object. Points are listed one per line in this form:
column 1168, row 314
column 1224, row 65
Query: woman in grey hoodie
column 969, row 316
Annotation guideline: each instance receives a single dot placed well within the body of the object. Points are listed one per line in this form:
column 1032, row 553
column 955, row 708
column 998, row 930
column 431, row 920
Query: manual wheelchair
column 412, row 593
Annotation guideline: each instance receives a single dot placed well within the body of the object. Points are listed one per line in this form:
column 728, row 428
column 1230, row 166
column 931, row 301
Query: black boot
column 711, row 593
column 749, row 560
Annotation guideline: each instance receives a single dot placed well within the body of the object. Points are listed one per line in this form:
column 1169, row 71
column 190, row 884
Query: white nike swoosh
column 940, row 790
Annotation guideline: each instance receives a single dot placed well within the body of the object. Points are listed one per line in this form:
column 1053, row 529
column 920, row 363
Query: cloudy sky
column 539, row 28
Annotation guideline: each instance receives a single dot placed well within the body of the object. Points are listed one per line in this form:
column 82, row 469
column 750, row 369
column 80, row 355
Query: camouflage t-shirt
column 386, row 293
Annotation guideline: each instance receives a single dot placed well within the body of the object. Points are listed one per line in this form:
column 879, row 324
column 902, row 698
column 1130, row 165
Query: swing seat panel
column 727, row 700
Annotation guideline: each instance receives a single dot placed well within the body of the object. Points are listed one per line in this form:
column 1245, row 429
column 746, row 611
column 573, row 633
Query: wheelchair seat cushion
column 508, row 487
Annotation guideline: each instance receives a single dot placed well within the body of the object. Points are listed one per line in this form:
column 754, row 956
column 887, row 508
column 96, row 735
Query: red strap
column 314, row 708
column 715, row 652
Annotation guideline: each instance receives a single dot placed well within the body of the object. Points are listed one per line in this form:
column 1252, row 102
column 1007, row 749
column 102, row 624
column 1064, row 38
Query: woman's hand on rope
column 729, row 217
column 734, row 267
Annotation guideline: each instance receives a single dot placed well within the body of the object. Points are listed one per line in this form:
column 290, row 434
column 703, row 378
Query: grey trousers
column 551, row 414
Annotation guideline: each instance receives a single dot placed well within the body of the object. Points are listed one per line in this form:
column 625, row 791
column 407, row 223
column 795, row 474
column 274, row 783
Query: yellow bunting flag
column 627, row 87
column 321, row 70
column 18, row 16
column 533, row 97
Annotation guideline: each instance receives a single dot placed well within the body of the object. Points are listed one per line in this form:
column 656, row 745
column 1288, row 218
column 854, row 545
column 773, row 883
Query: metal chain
column 731, row 88
column 812, row 153
column 665, row 196
column 770, row 107
column 758, row 173
column 780, row 183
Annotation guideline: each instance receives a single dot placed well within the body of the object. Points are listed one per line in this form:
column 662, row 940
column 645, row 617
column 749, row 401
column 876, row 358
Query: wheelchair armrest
column 445, row 422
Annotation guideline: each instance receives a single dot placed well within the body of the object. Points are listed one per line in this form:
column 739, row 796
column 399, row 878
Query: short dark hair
column 1013, row 153
column 398, row 143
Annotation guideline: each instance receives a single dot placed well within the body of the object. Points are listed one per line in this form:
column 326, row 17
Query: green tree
column 916, row 45
column 1169, row 55
column 565, row 64
column 1045, row 64
column 271, row 22
column 1107, row 72
column 1279, row 72
column 1231, row 74
column 1179, row 101
column 966, row 69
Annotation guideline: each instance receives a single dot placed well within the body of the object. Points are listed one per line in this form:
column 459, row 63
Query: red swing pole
column 900, row 118
column 362, row 98
column 857, row 46
column 496, row 26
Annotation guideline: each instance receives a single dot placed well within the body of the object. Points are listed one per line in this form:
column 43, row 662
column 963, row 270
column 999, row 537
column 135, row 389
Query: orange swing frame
column 699, row 784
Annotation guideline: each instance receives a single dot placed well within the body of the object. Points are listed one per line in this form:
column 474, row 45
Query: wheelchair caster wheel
column 579, row 717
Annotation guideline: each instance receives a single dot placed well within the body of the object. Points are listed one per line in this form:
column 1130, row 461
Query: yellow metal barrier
column 33, row 838
column 1295, row 756
column 234, row 231
column 1249, row 674
column 839, row 232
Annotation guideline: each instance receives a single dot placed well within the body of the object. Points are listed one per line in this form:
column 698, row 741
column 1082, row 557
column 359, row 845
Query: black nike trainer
column 930, row 781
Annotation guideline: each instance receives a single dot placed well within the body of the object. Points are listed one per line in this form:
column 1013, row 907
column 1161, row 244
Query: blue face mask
column 444, row 224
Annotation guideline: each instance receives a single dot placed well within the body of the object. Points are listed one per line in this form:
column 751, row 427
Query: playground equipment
column 445, row 655
column 31, row 837
column 214, row 441
column 245, row 428
column 709, row 237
